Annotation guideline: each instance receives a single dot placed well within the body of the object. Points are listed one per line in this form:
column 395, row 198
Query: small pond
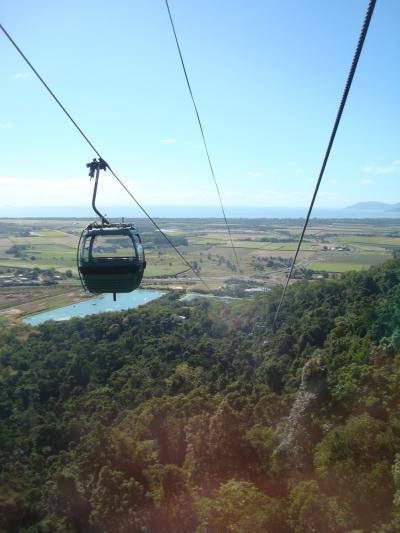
column 92, row 306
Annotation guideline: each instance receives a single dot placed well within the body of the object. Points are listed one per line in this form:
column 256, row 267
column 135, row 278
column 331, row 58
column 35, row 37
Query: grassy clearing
column 288, row 246
column 391, row 241
column 29, row 241
column 253, row 245
column 208, row 242
column 153, row 270
column 368, row 258
column 336, row 267
column 61, row 265
column 12, row 298
column 257, row 245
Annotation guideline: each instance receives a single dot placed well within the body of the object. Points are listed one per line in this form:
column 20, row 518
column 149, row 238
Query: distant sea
column 193, row 212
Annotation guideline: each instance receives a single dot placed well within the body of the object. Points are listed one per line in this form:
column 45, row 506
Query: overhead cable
column 62, row 107
column 357, row 54
column 202, row 134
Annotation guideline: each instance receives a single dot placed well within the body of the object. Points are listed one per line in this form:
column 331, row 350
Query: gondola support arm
column 94, row 172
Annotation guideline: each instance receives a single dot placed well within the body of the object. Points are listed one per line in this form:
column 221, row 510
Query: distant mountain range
column 375, row 206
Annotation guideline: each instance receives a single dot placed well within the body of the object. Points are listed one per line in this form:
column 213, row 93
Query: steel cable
column 202, row 134
column 363, row 34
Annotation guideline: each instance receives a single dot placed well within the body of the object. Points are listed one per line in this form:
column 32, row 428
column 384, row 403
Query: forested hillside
column 180, row 418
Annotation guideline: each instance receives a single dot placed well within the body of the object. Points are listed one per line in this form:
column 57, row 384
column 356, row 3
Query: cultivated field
column 264, row 248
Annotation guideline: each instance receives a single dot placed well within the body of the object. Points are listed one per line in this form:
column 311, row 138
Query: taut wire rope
column 357, row 54
column 202, row 134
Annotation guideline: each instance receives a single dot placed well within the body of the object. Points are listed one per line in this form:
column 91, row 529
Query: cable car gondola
column 110, row 256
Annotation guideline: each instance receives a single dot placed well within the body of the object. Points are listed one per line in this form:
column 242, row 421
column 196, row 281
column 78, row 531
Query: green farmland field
column 336, row 267
column 51, row 243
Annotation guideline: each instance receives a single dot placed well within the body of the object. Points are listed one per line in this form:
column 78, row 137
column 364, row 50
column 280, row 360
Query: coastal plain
column 38, row 256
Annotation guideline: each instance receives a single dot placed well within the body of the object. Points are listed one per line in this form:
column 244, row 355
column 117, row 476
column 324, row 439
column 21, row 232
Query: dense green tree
column 147, row 421
column 310, row 511
column 238, row 506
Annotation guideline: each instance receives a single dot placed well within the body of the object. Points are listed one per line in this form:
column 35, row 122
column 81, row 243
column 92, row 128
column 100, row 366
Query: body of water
column 100, row 304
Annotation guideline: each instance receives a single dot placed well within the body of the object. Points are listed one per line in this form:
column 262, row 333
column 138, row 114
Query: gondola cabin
column 111, row 258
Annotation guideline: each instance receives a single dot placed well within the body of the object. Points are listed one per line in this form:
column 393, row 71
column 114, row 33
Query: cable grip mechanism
column 94, row 172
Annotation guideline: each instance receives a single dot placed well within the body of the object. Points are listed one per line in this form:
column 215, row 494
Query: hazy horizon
column 158, row 211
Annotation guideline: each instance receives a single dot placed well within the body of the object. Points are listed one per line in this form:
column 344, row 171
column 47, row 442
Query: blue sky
column 267, row 76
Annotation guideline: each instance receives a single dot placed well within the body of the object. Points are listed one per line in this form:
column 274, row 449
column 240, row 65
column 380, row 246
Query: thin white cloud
column 22, row 75
column 169, row 141
column 299, row 171
column 5, row 125
column 382, row 169
column 254, row 173
column 366, row 182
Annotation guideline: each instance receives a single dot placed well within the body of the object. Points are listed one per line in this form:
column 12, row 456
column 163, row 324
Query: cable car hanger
column 94, row 172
